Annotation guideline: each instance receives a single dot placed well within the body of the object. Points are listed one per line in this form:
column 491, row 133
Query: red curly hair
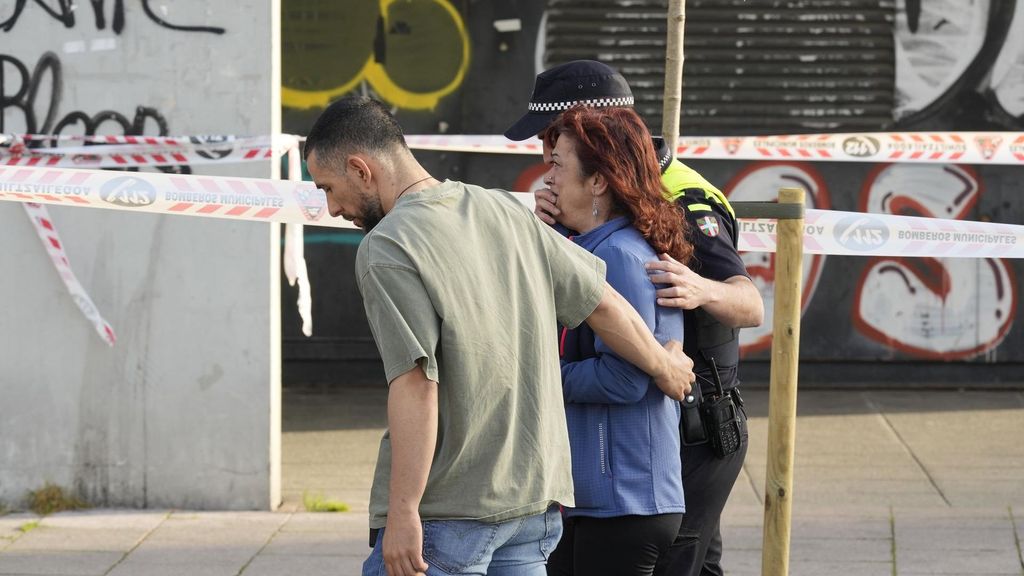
column 615, row 143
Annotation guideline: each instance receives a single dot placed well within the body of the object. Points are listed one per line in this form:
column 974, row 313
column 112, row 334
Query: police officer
column 717, row 294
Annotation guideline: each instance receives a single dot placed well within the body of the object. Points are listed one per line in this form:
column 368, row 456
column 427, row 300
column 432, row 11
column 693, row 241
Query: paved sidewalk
column 886, row 483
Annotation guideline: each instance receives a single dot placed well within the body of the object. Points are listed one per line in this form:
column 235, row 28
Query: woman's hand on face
column 545, row 207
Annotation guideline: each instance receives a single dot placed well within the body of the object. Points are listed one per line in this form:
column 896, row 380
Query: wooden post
column 673, row 99
column 778, row 490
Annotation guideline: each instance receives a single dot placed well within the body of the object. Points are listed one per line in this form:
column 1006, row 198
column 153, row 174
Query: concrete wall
column 960, row 66
column 184, row 411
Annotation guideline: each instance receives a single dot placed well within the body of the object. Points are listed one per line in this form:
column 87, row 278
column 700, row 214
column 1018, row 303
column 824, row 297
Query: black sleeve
column 713, row 234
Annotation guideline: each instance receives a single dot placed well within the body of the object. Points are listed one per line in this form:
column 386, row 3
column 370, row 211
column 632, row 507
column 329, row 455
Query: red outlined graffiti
column 761, row 181
column 932, row 308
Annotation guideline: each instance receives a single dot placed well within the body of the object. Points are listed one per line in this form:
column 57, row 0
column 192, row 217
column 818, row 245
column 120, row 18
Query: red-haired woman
column 623, row 431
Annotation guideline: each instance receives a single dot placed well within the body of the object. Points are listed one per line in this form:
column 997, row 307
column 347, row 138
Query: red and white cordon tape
column 858, row 234
column 251, row 199
column 834, row 232
column 926, row 147
column 139, row 151
column 44, row 227
column 297, row 202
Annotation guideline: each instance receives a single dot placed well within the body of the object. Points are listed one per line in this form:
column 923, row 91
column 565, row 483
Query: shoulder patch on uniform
column 708, row 226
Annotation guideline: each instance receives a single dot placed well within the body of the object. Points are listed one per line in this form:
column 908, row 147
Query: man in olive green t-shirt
column 464, row 290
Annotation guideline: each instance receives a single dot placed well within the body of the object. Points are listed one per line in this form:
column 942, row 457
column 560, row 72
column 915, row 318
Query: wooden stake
column 673, row 99
column 778, row 490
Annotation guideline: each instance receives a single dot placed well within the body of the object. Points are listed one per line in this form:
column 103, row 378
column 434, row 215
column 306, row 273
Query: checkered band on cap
column 664, row 160
column 596, row 103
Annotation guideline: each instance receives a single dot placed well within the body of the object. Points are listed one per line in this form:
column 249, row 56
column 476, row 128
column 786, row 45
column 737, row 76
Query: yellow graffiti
column 377, row 76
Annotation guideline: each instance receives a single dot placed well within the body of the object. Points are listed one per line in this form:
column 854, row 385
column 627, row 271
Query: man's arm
column 412, row 421
column 622, row 329
column 736, row 302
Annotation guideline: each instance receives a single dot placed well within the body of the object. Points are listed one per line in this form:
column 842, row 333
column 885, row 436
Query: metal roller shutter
column 751, row 66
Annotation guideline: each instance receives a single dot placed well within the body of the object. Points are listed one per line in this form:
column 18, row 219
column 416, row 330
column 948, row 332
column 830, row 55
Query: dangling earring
column 595, row 207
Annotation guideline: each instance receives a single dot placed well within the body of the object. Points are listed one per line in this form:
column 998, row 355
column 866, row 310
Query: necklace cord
column 406, row 189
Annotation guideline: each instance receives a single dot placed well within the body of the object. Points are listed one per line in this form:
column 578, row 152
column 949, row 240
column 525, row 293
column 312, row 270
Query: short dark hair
column 353, row 124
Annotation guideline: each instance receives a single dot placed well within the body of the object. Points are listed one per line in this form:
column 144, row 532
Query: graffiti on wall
column 960, row 63
column 32, row 93
column 952, row 308
column 410, row 53
column 31, row 99
column 64, row 12
column 761, row 182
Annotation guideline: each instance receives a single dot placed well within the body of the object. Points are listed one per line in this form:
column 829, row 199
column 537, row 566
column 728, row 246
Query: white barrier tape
column 159, row 152
column 857, row 234
column 294, row 262
column 44, row 227
column 926, row 147
column 297, row 202
column 250, row 199
column 8, row 139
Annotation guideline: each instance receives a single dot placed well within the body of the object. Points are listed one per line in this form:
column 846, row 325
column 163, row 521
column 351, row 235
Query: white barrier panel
column 858, row 234
column 138, row 151
column 913, row 147
column 44, row 227
column 251, row 199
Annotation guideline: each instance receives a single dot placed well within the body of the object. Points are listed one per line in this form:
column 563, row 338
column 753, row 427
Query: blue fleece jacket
column 623, row 431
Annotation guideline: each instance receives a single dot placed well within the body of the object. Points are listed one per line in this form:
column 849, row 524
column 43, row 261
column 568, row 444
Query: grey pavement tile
column 345, row 523
column 1009, row 471
column 10, row 527
column 316, row 544
column 748, row 563
column 132, row 568
column 305, row 565
column 58, row 563
column 842, row 527
column 742, row 537
column 911, row 401
column 838, row 568
column 943, row 517
column 270, row 520
column 47, row 538
column 235, row 554
column 817, row 473
column 852, row 550
column 868, row 493
column 230, row 528
column 980, row 492
column 957, row 562
column 183, row 536
column 745, row 493
column 12, row 521
column 107, row 519
column 973, row 539
column 741, row 561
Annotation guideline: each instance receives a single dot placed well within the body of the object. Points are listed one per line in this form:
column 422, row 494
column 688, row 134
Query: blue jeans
column 517, row 547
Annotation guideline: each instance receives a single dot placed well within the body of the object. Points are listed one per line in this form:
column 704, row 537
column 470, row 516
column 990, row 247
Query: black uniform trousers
column 707, row 482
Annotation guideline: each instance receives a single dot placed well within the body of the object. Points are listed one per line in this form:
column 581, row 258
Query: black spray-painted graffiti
column 959, row 65
column 23, row 93
column 64, row 12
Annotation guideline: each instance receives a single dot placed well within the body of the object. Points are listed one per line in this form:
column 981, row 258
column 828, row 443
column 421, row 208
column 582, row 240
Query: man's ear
column 359, row 168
